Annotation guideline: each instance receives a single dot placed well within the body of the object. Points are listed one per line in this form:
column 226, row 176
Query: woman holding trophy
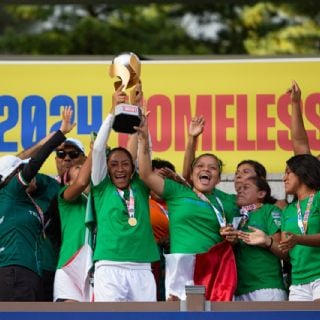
column 125, row 246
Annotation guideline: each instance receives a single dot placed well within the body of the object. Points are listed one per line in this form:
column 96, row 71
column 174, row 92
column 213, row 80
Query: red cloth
column 216, row 270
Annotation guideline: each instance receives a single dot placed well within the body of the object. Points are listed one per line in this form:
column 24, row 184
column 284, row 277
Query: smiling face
column 120, row 169
column 205, row 174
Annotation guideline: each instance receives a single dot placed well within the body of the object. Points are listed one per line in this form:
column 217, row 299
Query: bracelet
column 270, row 245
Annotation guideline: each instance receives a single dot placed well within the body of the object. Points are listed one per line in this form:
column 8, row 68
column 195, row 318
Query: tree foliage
column 244, row 27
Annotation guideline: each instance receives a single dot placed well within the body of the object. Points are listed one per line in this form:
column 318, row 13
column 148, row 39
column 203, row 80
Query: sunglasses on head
column 61, row 154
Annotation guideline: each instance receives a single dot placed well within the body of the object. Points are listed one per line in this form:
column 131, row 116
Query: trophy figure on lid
column 127, row 67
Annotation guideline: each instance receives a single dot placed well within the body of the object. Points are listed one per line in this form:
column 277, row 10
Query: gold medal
column 132, row 221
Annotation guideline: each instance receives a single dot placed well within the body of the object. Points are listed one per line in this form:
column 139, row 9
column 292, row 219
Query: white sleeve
column 99, row 158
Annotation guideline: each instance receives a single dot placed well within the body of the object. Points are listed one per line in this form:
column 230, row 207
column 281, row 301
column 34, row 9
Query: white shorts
column 179, row 273
column 65, row 288
column 305, row 292
column 264, row 295
column 124, row 281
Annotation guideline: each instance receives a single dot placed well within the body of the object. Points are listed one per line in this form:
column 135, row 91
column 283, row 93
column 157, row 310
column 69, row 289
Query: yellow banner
column 243, row 101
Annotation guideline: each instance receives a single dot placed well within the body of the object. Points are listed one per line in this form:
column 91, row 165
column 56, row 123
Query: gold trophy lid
column 127, row 67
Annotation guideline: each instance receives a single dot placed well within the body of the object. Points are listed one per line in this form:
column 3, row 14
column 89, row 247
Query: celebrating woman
column 125, row 245
column 196, row 214
column 263, row 280
column 300, row 227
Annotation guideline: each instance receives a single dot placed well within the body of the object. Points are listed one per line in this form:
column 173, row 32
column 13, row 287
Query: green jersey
column 72, row 217
column 193, row 223
column 305, row 260
column 116, row 239
column 20, row 223
column 258, row 268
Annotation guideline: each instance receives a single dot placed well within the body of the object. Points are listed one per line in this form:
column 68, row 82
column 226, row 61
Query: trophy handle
column 122, row 72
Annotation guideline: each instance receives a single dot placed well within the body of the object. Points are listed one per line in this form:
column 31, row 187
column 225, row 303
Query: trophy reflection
column 126, row 66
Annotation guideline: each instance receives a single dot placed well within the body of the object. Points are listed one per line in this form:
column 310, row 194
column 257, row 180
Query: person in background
column 25, row 195
column 261, row 281
column 125, row 245
column 300, row 228
column 160, row 225
column 72, row 202
column 252, row 168
column 69, row 153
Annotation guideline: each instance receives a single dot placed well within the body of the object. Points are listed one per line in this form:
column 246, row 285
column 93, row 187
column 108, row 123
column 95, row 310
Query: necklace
column 132, row 221
column 220, row 215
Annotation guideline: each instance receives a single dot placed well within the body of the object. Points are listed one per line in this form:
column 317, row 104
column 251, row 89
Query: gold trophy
column 126, row 66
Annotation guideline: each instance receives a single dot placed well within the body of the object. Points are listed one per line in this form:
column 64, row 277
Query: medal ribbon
column 129, row 203
column 303, row 223
column 220, row 215
column 244, row 212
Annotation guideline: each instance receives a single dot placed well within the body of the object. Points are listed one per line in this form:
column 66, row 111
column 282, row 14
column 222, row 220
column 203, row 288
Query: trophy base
column 126, row 117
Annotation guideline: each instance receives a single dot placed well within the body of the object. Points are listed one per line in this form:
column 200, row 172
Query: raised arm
column 99, row 157
column 151, row 179
column 136, row 98
column 300, row 142
column 35, row 163
column 195, row 129
column 33, row 150
column 82, row 181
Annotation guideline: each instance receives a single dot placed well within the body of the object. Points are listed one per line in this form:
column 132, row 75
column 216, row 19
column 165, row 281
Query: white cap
column 75, row 143
column 8, row 164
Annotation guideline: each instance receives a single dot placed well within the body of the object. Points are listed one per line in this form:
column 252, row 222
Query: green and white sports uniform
column 258, row 268
column 305, row 260
column 194, row 228
column 116, row 239
column 123, row 253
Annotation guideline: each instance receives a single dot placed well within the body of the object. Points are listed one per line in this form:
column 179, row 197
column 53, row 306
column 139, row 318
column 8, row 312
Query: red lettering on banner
column 222, row 122
column 311, row 105
column 182, row 120
column 243, row 143
column 160, row 108
column 284, row 139
column 167, row 134
column 264, row 122
column 204, row 108
column 123, row 140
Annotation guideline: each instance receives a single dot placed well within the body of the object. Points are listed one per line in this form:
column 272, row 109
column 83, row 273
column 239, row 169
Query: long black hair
column 263, row 185
column 259, row 168
column 307, row 168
